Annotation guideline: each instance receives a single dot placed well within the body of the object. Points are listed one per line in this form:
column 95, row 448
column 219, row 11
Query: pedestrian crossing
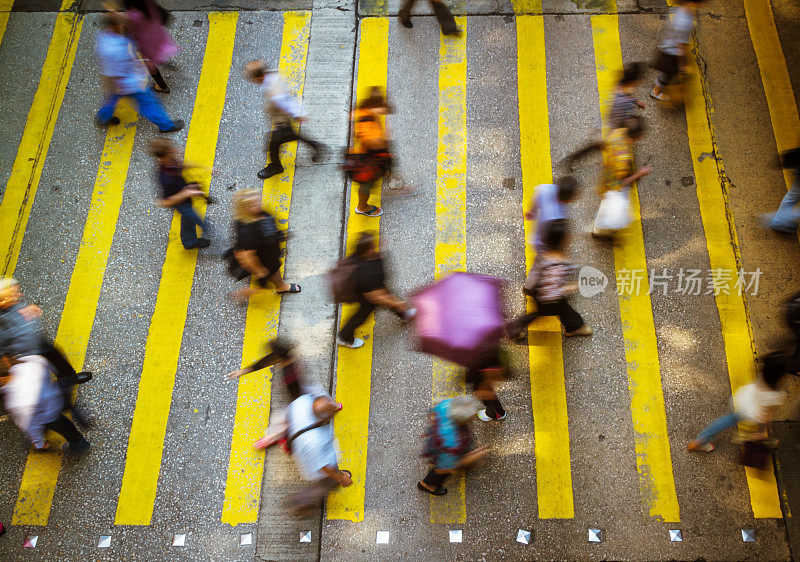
column 155, row 402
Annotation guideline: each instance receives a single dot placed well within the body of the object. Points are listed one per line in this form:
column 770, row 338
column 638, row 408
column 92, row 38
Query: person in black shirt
column 370, row 281
column 177, row 194
column 257, row 251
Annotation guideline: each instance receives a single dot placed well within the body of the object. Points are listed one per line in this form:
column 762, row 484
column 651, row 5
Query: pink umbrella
column 459, row 318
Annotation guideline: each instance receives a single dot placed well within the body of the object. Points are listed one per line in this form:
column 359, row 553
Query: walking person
column 443, row 15
column 256, row 252
column 36, row 404
column 448, row 442
column 619, row 173
column 177, row 194
column 482, row 377
column 625, row 102
column 756, row 403
column 127, row 76
column 372, row 159
column 550, row 202
column 674, row 47
column 146, row 22
column 284, row 112
column 370, row 286
column 787, row 217
column 550, row 284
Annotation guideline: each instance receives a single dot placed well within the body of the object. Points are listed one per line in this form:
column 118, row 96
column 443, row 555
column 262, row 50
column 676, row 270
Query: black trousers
column 443, row 15
column 283, row 134
column 569, row 316
column 434, row 479
column 348, row 332
column 57, row 360
column 64, row 427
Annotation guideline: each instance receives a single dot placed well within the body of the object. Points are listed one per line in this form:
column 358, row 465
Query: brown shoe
column 584, row 330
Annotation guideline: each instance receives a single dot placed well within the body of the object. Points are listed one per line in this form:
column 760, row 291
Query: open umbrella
column 459, row 318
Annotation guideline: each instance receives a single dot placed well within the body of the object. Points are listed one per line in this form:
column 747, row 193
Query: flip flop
column 293, row 288
column 440, row 491
column 373, row 211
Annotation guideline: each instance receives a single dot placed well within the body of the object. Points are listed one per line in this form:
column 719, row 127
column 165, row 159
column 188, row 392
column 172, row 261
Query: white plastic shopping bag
column 614, row 213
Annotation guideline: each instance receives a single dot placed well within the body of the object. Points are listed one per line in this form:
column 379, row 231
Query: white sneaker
column 409, row 314
column 357, row 342
column 483, row 417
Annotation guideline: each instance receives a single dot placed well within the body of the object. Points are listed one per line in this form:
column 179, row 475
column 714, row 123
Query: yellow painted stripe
column 723, row 245
column 146, row 441
column 246, row 466
column 545, row 354
column 653, row 460
column 774, row 76
column 451, row 228
column 354, row 366
column 5, row 11
column 527, row 7
column 41, row 470
column 26, row 171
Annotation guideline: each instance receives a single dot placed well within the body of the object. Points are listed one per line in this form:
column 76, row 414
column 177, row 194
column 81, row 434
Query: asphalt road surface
column 597, row 427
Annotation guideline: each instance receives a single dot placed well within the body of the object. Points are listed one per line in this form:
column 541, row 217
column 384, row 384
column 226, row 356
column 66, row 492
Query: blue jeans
column 788, row 217
column 718, row 425
column 189, row 220
column 149, row 107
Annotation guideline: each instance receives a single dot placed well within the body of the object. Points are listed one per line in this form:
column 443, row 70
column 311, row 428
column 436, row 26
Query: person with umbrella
column 449, row 443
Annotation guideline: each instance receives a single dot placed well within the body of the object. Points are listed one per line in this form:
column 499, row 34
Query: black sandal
column 293, row 288
column 440, row 491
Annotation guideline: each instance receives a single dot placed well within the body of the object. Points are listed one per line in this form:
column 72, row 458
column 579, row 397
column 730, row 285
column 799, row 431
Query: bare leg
column 277, row 280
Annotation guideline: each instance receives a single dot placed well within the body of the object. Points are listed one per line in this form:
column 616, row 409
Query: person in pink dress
column 145, row 25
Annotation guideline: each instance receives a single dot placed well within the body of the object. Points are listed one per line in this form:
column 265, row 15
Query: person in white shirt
column 755, row 403
column 283, row 110
column 674, row 46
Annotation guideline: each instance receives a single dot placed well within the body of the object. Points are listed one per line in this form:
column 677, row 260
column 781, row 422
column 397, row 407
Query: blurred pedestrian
column 177, row 194
column 21, row 334
column 756, row 404
column 449, row 443
column 370, row 286
column 791, row 314
column 482, row 376
column 674, row 47
column 787, row 217
column 146, row 21
column 370, row 158
column 127, row 76
column 36, row 404
column 280, row 352
column 625, row 102
column 257, row 248
column 285, row 114
column 550, row 203
column 550, row 284
column 443, row 15
column 619, row 173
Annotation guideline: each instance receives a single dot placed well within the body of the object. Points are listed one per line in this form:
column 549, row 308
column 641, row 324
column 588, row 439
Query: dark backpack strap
column 320, row 423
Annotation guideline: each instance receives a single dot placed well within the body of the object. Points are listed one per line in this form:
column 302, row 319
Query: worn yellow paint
column 450, row 253
column 653, row 459
column 15, row 207
column 146, row 441
column 527, row 7
column 774, row 76
column 5, row 11
column 354, row 366
column 545, row 354
column 243, row 486
column 41, row 470
column 722, row 244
